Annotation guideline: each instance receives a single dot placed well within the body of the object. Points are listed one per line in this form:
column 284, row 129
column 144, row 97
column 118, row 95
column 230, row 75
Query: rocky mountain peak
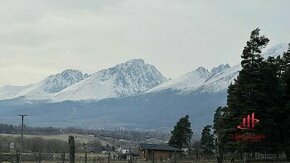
column 202, row 71
column 219, row 69
column 133, row 77
column 60, row 81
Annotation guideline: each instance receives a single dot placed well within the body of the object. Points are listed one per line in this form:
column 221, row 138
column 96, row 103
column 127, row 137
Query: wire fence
column 97, row 158
column 88, row 158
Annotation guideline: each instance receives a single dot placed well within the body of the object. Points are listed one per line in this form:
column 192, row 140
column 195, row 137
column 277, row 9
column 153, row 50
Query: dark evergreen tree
column 285, row 75
column 257, row 89
column 262, row 86
column 251, row 53
column 220, row 125
column 181, row 134
column 207, row 140
column 243, row 94
column 285, row 82
column 285, row 60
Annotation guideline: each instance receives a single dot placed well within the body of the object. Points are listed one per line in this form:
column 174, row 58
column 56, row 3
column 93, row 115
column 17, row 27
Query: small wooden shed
column 158, row 152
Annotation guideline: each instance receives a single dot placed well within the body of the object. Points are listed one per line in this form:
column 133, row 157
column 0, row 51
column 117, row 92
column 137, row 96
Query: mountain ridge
column 133, row 77
column 146, row 110
column 126, row 79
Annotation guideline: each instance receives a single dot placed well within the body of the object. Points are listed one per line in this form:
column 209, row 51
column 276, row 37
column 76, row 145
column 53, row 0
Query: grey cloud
column 175, row 36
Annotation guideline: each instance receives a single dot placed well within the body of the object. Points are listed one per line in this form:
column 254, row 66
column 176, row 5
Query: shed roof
column 158, row 147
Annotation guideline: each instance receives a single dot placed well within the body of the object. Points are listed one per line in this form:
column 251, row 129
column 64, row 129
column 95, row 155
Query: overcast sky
column 40, row 38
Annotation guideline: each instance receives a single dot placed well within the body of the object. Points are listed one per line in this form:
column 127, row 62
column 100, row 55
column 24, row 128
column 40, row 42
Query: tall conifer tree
column 257, row 89
column 207, row 140
column 263, row 87
column 244, row 96
column 181, row 134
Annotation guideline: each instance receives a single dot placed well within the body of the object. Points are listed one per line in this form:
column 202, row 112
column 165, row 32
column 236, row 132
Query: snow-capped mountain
column 276, row 50
column 49, row 86
column 191, row 80
column 133, row 77
column 218, row 69
column 218, row 79
column 222, row 80
column 159, row 104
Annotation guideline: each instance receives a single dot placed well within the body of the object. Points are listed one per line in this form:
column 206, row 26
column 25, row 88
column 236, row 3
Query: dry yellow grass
column 64, row 137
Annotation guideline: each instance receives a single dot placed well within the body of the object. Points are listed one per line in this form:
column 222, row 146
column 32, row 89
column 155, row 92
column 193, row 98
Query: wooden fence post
column 71, row 142
column 86, row 157
column 153, row 156
column 39, row 157
column 99, row 158
column 130, row 158
column 63, row 157
column 109, row 157
column 17, row 159
column 174, row 157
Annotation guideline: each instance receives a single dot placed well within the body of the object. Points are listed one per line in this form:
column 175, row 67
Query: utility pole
column 21, row 146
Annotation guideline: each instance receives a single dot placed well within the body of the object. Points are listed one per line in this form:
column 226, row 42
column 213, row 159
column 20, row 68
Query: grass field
column 64, row 137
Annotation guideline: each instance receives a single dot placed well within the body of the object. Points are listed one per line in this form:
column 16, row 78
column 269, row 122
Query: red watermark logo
column 248, row 122
column 248, row 137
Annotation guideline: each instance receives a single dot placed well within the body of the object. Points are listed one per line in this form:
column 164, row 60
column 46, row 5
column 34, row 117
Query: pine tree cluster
column 262, row 87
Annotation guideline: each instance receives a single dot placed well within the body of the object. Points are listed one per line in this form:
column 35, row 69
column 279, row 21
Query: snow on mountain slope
column 8, row 92
column 130, row 78
column 52, row 84
column 219, row 78
column 191, row 80
column 218, row 69
column 276, row 50
column 222, row 80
